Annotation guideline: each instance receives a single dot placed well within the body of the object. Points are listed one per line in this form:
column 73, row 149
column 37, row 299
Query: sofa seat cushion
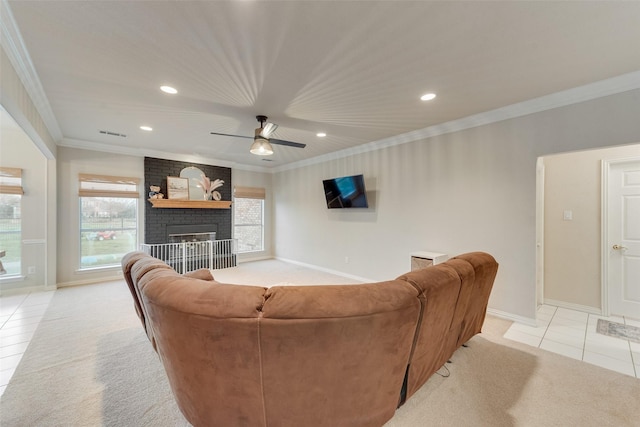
column 202, row 274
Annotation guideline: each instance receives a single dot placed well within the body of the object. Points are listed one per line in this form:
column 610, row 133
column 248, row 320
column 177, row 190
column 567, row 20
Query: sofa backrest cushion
column 455, row 295
column 485, row 270
column 439, row 287
column 336, row 354
column 467, row 276
column 127, row 263
column 134, row 266
column 207, row 336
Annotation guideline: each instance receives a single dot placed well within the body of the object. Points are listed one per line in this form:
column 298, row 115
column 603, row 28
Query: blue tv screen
column 345, row 192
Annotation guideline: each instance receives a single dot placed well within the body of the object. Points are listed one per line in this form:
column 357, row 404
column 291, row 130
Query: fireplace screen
column 192, row 246
column 191, row 237
column 185, row 256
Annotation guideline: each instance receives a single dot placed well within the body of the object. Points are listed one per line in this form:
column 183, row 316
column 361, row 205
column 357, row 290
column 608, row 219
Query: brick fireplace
column 160, row 222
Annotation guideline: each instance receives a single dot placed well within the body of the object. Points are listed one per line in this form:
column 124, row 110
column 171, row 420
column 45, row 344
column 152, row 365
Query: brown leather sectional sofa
column 335, row 355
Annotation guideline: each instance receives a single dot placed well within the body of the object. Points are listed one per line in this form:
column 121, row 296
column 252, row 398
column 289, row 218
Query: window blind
column 108, row 186
column 249, row 192
column 11, row 181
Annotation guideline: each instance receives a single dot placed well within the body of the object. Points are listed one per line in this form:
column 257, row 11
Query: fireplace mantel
column 191, row 204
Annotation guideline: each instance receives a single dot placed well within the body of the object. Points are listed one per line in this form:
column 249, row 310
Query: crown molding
column 599, row 89
column 13, row 44
column 139, row 152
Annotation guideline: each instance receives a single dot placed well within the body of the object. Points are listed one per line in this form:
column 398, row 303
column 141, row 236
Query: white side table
column 420, row 260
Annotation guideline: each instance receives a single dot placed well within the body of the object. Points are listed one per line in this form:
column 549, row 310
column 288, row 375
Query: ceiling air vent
column 108, row 132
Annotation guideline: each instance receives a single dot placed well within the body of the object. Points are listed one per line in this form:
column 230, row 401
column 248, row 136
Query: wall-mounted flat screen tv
column 345, row 192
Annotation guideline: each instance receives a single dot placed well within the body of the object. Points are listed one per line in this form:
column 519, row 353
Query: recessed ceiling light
column 428, row 96
column 169, row 89
column 147, row 128
column 321, row 134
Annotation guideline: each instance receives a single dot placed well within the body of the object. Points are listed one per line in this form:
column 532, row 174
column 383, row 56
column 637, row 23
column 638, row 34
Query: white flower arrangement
column 209, row 186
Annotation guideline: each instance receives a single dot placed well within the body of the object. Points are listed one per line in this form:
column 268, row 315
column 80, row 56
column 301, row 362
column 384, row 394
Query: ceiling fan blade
column 287, row 143
column 226, row 134
column 268, row 129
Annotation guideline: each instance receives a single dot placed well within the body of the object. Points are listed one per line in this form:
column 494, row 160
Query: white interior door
column 622, row 237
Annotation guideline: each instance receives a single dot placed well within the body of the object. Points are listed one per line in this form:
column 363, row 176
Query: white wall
column 15, row 99
column 17, row 150
column 70, row 163
column 572, row 249
column 464, row 191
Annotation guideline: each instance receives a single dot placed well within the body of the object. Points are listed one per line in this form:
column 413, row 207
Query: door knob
column 618, row 247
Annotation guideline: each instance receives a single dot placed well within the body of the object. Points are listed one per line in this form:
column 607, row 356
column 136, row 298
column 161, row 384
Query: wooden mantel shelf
column 190, row 204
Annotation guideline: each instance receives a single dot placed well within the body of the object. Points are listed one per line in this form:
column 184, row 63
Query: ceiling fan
column 261, row 141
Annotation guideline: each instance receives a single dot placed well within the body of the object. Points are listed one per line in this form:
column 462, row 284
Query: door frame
column 539, row 232
column 604, row 228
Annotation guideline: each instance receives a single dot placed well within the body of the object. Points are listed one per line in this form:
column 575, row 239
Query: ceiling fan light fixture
column 261, row 147
column 261, row 140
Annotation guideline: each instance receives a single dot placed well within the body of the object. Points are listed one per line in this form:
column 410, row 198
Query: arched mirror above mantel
column 194, row 175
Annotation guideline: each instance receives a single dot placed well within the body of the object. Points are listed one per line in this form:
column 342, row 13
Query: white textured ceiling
column 354, row 70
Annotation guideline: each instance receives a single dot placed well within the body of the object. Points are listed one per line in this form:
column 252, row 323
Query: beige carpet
column 90, row 364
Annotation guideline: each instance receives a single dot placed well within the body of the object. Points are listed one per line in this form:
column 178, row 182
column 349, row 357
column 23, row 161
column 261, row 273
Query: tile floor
column 19, row 318
column 573, row 334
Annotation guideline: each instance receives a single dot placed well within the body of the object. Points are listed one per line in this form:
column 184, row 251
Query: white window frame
column 250, row 193
column 106, row 186
column 11, row 183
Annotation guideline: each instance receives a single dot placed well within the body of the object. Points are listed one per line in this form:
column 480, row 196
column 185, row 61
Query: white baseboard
column 90, row 281
column 26, row 290
column 328, row 270
column 497, row 313
column 251, row 259
column 512, row 317
column 571, row 306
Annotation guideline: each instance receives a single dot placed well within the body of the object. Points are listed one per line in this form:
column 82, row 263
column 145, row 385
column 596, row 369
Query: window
column 108, row 219
column 10, row 221
column 248, row 218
